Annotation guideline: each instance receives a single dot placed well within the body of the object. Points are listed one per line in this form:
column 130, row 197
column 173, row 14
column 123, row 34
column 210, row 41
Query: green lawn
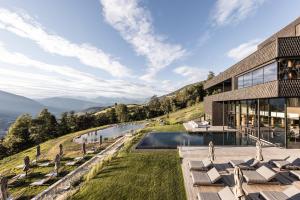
column 21, row 188
column 137, row 175
column 184, row 115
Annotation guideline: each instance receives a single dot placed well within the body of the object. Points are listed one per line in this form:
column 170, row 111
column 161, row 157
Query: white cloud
column 243, row 50
column 233, row 11
column 26, row 27
column 33, row 78
column 192, row 74
column 135, row 26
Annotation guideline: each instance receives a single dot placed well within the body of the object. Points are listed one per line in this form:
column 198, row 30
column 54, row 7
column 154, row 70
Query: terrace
column 223, row 155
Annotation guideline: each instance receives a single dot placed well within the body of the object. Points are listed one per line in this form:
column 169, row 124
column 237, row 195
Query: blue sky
column 128, row 48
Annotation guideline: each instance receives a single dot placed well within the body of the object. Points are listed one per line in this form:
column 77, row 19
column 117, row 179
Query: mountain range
column 11, row 106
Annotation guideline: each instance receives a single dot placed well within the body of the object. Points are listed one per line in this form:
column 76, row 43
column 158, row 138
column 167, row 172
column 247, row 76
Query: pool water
column 170, row 140
column 111, row 132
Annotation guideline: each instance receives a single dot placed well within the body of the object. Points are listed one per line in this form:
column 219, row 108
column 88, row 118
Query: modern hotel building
column 260, row 95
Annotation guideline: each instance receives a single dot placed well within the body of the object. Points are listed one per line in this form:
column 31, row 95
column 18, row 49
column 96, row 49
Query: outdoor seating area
column 259, row 177
column 51, row 170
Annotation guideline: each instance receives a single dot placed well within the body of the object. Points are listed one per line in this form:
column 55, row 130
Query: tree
column 165, row 105
column 122, row 113
column 112, row 116
column 210, row 75
column 64, row 126
column 18, row 136
column 3, row 150
column 43, row 127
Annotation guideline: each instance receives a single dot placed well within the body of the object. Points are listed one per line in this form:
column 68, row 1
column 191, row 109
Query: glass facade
column 267, row 119
column 293, row 120
column 262, row 75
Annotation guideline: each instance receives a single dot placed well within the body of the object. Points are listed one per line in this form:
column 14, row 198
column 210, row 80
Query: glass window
column 270, row 72
column 248, row 79
column 277, row 121
column 293, row 117
column 258, row 76
column 240, row 82
column 243, row 113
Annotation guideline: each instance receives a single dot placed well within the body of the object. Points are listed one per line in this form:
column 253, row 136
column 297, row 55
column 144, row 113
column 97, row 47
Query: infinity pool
column 111, row 132
column 170, row 140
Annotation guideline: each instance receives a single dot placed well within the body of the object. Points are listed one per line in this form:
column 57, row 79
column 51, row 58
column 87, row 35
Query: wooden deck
column 189, row 128
column 223, row 155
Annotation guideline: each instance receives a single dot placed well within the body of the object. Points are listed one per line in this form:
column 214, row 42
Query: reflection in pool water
column 170, row 140
column 111, row 132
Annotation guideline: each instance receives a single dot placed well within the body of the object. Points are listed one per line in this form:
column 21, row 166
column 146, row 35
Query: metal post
column 286, row 124
column 258, row 116
column 223, row 110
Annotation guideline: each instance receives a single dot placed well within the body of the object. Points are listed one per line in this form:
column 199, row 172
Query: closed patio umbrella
column 61, row 151
column 259, row 155
column 3, row 189
column 57, row 163
column 211, row 151
column 238, row 181
column 26, row 164
column 38, row 152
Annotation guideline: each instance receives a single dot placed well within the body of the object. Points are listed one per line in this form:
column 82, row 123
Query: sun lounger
column 295, row 173
column 224, row 194
column 249, row 163
column 51, row 174
column 45, row 164
column 206, row 178
column 76, row 160
column 293, row 160
column 41, row 182
column 262, row 175
column 291, row 193
column 200, row 165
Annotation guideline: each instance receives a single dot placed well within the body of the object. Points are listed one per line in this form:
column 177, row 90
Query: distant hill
column 67, row 104
column 11, row 106
column 108, row 101
column 180, row 89
column 91, row 110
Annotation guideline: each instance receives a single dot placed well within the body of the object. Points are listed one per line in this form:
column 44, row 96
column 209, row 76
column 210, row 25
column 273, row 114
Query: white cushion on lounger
column 267, row 173
column 274, row 195
column 208, row 195
column 292, row 159
column 291, row 191
column 281, row 163
column 200, row 178
column 253, row 177
column 226, row 194
column 196, row 164
column 296, row 173
column 213, row 175
column 207, row 162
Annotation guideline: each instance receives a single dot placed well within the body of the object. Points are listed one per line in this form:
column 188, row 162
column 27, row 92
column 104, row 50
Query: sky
column 128, row 48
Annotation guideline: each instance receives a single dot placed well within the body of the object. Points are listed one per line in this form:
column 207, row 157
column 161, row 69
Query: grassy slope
column 138, row 175
column 48, row 149
column 151, row 165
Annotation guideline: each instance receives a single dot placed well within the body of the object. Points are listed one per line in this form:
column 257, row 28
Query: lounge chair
column 295, row 173
column 206, row 178
column 249, row 163
column 75, row 161
column 291, row 193
column 293, row 160
column 262, row 175
column 224, row 194
column 41, row 182
column 200, row 165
